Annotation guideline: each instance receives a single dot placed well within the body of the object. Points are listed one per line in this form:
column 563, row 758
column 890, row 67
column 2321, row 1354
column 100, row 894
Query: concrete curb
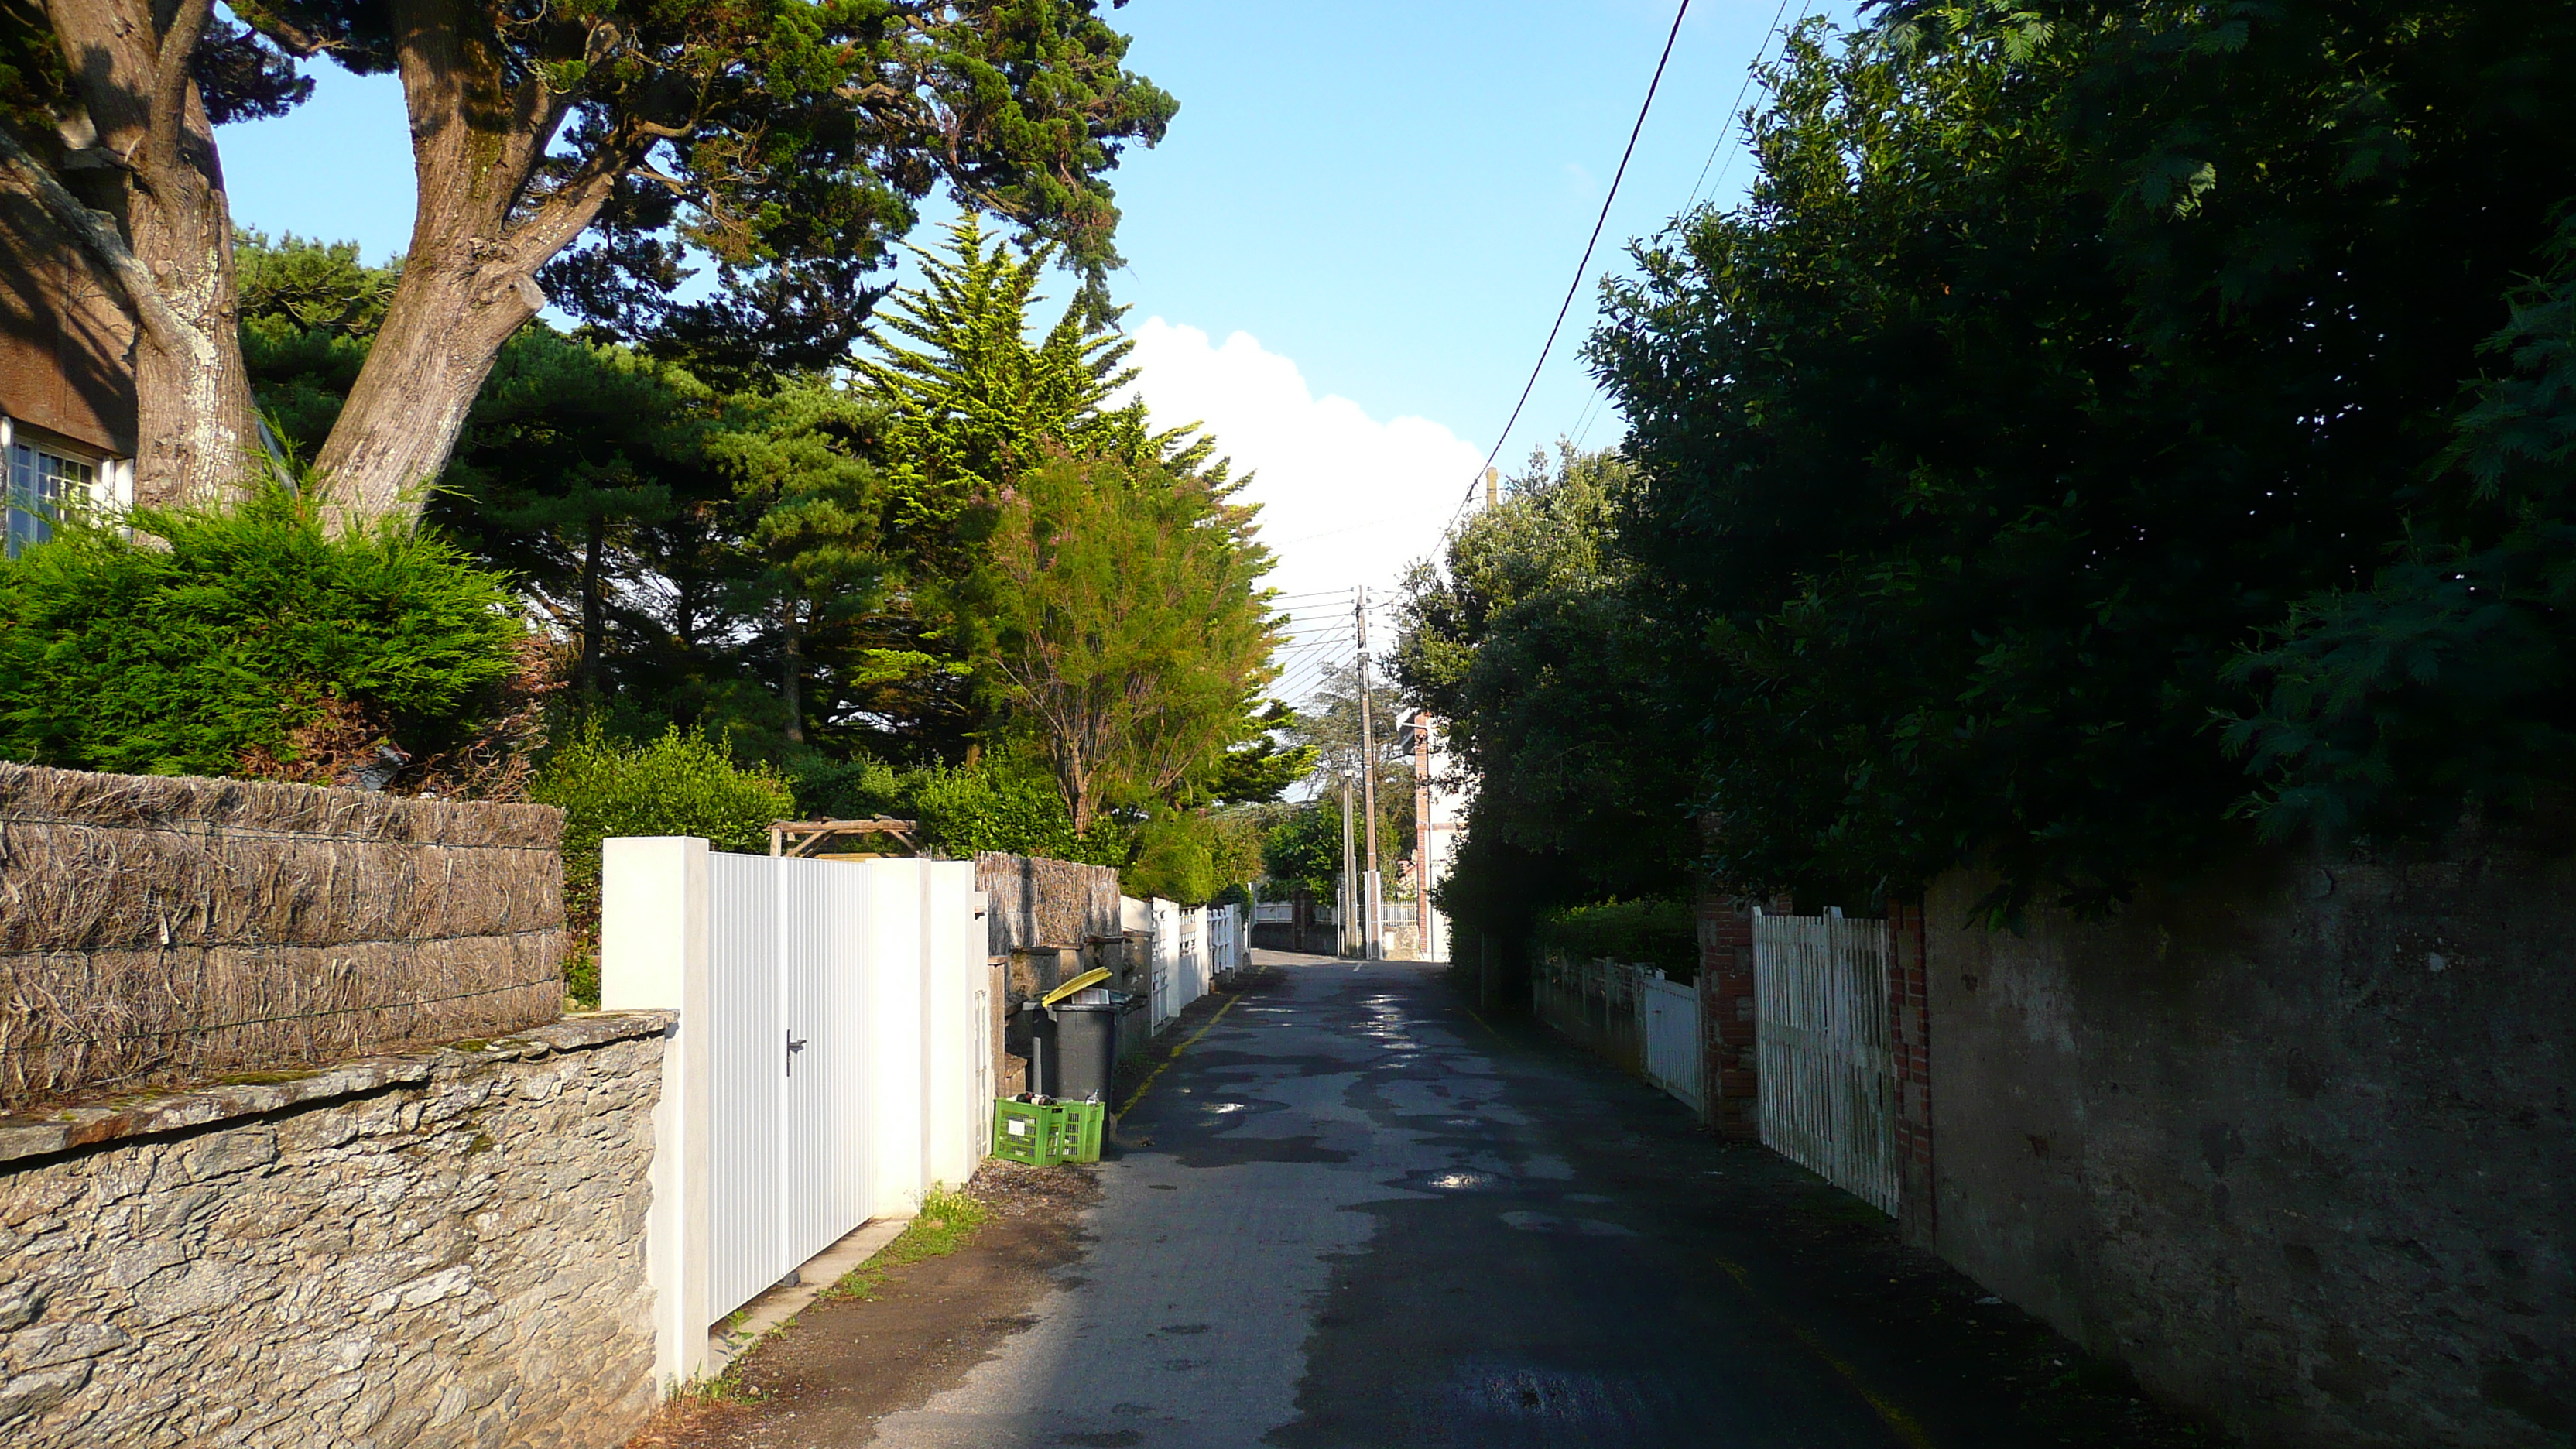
column 775, row 1307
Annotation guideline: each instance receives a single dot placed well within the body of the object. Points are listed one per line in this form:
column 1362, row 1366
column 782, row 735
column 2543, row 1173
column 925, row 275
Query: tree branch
column 167, row 331
column 170, row 83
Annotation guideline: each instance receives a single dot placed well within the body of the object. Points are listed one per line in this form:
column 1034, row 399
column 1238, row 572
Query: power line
column 1735, row 109
column 1581, row 267
column 1737, row 106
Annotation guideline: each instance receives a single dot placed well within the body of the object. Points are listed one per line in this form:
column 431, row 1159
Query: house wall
column 445, row 1248
column 65, row 338
column 2295, row 1144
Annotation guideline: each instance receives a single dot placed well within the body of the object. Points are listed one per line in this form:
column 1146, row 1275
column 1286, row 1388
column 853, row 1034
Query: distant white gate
column 1827, row 1077
column 1225, row 927
column 830, row 1064
column 1672, row 1036
column 1164, row 952
column 1192, row 963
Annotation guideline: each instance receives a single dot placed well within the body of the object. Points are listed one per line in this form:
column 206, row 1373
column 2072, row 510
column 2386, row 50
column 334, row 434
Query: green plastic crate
column 1023, row 1132
column 1080, row 1132
column 1045, row 1136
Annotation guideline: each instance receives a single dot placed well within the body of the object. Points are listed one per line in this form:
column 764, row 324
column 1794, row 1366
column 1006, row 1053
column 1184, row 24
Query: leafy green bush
column 1305, row 849
column 830, row 789
column 963, row 810
column 680, row 784
column 252, row 627
column 1663, row 934
column 1193, row 857
column 1175, row 859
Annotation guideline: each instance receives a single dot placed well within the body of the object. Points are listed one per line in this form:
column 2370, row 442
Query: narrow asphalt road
column 1351, row 1213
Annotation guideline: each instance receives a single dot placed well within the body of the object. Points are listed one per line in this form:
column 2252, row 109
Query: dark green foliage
column 308, row 311
column 1661, row 934
column 1553, row 663
column 1495, row 897
column 2058, row 350
column 2453, row 677
column 859, row 788
column 788, row 141
column 246, row 628
column 34, row 86
column 567, row 452
column 1260, row 770
column 1305, row 849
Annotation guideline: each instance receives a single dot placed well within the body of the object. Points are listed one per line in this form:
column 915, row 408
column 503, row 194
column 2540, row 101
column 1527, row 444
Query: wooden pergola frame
column 806, row 837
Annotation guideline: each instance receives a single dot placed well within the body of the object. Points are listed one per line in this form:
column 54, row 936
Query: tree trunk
column 791, row 671
column 1075, row 782
column 469, row 280
column 593, row 608
column 197, row 435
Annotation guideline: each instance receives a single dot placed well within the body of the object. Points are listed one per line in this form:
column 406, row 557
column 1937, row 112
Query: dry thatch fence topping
column 1039, row 902
column 158, row 929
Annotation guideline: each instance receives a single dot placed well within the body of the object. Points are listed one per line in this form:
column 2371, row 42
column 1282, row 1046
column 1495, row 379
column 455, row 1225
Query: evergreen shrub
column 238, row 634
column 1175, row 859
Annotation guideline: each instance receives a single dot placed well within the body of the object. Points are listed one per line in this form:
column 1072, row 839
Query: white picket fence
column 1671, row 1015
column 829, row 1066
column 1186, row 946
column 1628, row 1013
column 1828, row 1082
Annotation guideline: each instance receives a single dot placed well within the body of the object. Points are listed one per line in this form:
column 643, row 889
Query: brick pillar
column 1910, row 1034
column 1726, row 1055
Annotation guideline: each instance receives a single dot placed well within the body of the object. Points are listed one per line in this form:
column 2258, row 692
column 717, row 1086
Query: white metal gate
column 846, row 1073
column 1827, row 1077
column 1672, row 1036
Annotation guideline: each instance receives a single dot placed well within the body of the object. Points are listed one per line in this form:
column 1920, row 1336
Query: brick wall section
column 1910, row 1036
column 1728, row 1087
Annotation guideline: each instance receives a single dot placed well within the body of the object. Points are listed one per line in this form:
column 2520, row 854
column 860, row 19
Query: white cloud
column 1345, row 499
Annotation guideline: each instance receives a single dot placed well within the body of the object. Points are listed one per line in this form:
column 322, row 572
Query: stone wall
column 2296, row 1145
column 445, row 1248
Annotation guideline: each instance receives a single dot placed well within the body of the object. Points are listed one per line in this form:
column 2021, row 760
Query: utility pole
column 1493, row 488
column 1422, row 845
column 1342, row 933
column 1374, row 947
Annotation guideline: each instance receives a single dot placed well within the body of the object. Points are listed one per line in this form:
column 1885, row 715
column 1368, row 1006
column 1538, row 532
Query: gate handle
column 795, row 1044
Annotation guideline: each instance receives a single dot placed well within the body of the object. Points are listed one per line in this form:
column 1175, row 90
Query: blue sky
column 1345, row 255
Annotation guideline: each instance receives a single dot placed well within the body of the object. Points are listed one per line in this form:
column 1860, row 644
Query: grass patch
column 723, row 1388
column 947, row 1222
